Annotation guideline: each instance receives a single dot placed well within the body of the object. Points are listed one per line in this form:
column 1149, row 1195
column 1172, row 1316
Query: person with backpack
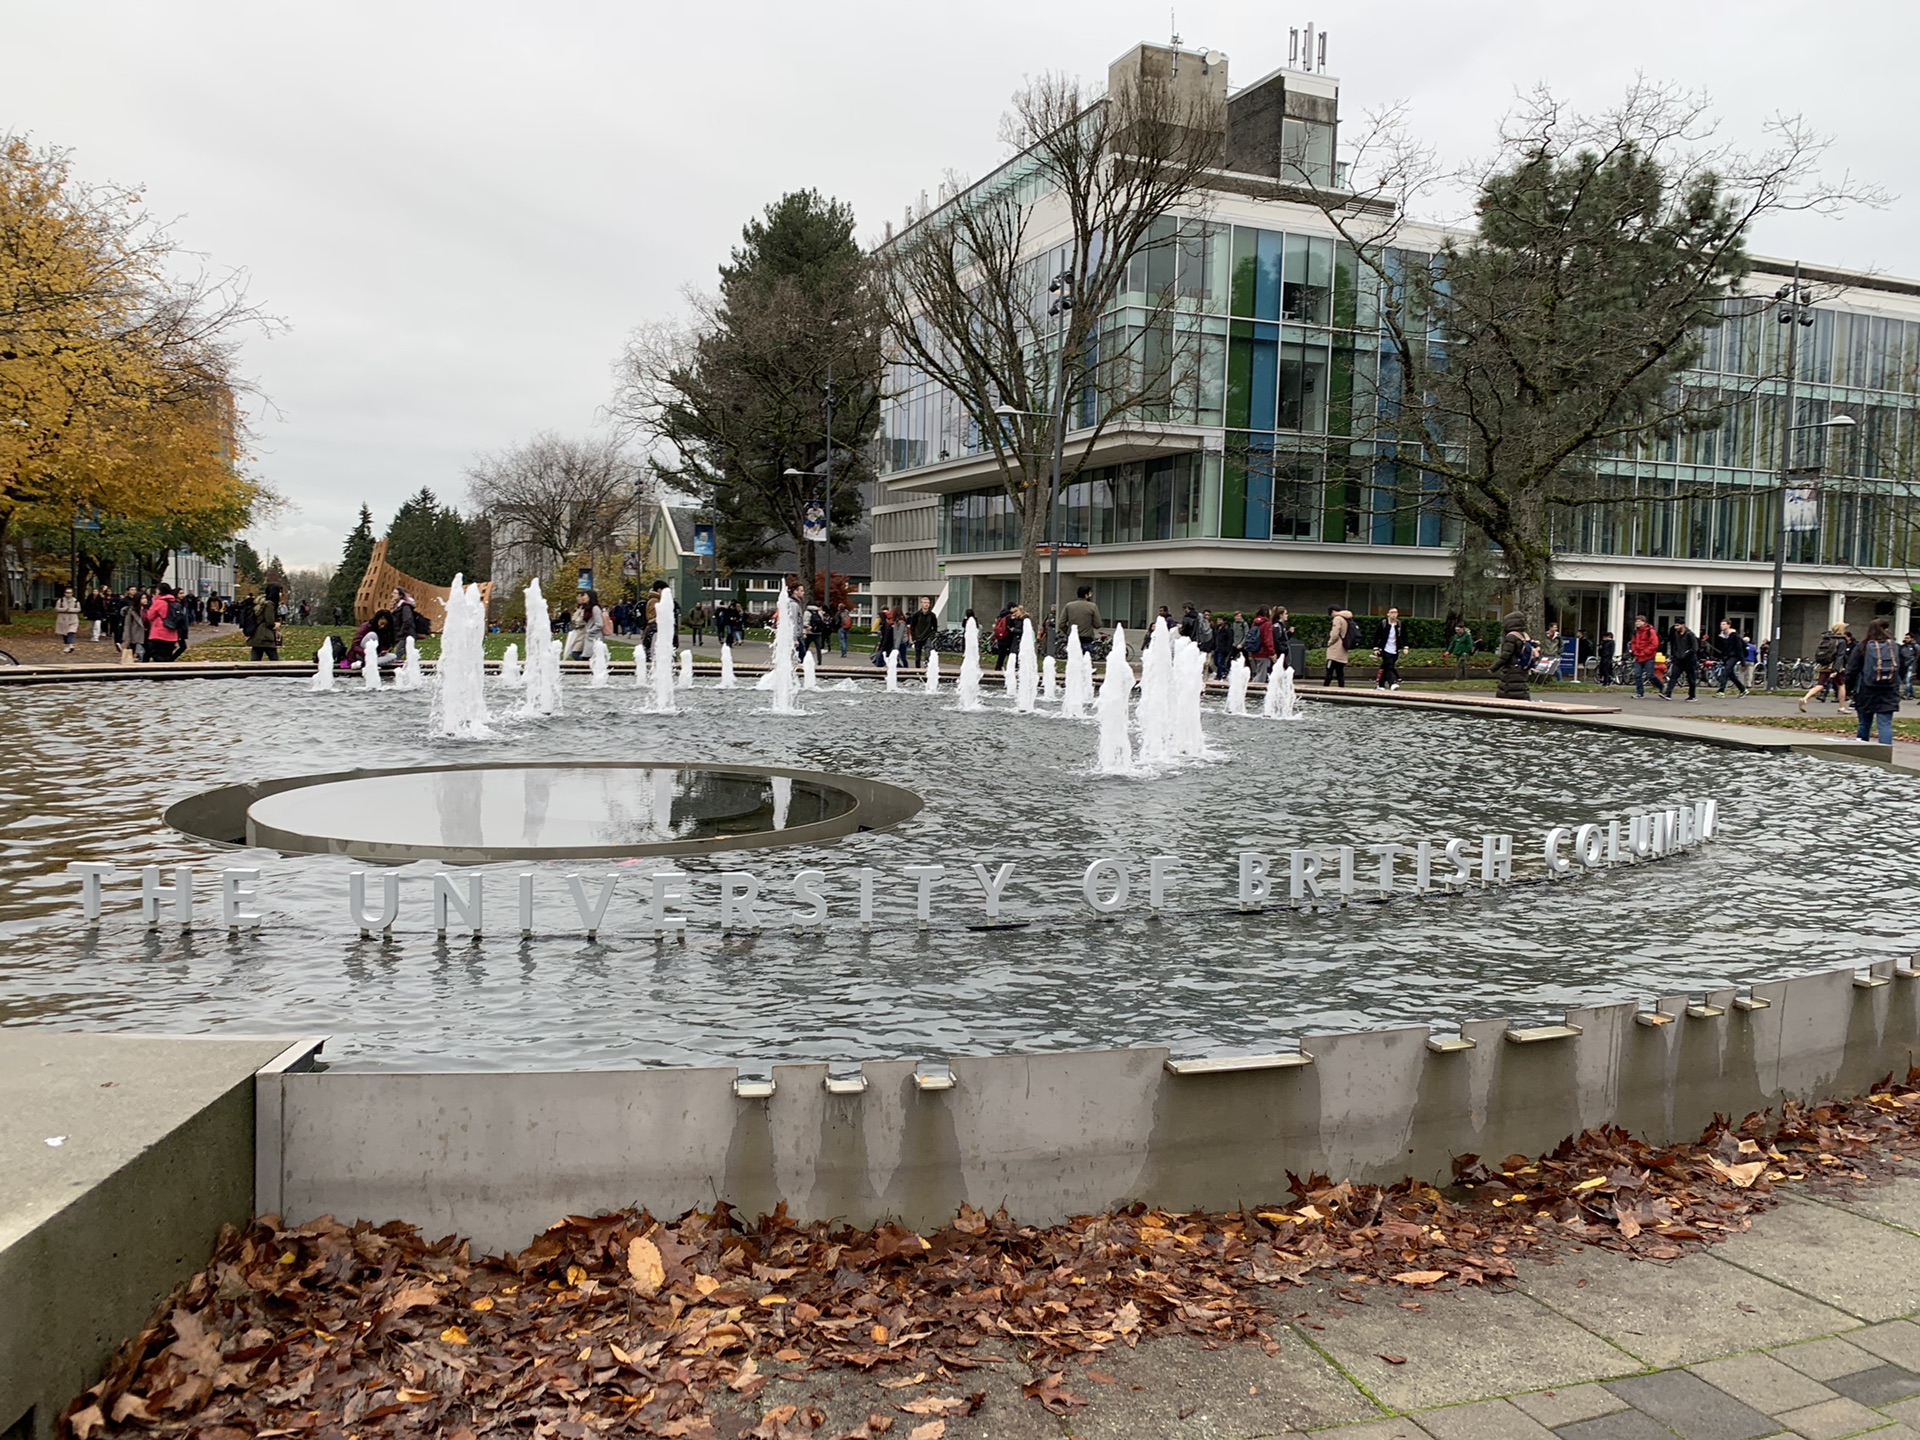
column 921, row 627
column 1262, row 647
column 1909, row 652
column 1513, row 662
column 1683, row 658
column 1006, row 634
column 1460, row 647
column 1825, row 655
column 1731, row 647
column 1339, row 639
column 1224, row 648
column 1873, row 679
column 166, row 621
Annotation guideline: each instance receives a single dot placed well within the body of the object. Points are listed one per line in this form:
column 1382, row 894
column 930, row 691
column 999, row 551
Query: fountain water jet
column 1238, row 676
column 323, row 669
column 809, row 671
column 662, row 667
column 1154, row 714
column 410, row 676
column 968, row 688
column 893, row 671
column 597, row 665
column 510, row 675
column 1078, row 692
column 686, row 669
column 726, row 668
column 543, row 660
column 1280, row 702
column 1186, row 737
column 1046, row 678
column 460, row 679
column 933, row 671
column 370, row 661
column 1116, row 744
column 786, row 627
column 1026, row 684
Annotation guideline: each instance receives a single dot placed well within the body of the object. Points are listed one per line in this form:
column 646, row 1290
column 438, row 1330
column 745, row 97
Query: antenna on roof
column 1173, row 26
column 1293, row 46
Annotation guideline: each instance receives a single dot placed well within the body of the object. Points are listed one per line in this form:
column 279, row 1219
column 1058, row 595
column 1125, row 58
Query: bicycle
column 6, row 658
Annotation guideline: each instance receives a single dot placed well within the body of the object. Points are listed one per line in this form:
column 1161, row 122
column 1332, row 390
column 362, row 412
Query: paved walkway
column 1802, row 1327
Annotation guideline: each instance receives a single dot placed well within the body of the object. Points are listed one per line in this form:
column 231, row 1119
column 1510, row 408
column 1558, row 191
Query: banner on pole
column 813, row 522
column 703, row 539
column 1803, row 507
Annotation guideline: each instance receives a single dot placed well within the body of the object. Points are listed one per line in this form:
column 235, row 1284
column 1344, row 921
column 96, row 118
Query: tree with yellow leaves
column 118, row 389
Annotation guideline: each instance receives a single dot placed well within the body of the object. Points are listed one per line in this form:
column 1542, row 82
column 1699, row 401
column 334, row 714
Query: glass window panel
column 1266, row 287
column 1263, row 377
column 1246, row 264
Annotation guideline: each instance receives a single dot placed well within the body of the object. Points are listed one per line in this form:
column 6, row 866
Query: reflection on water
column 1814, row 868
column 575, row 808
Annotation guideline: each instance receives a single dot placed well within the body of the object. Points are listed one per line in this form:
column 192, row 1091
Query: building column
column 1902, row 617
column 1617, row 611
column 1836, row 608
column 1763, row 626
column 1694, row 604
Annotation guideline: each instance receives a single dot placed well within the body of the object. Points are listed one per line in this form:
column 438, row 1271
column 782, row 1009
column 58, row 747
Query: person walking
column 920, row 630
column 1513, row 661
column 698, row 619
column 1643, row 646
column 1826, row 654
column 1006, row 634
column 1608, row 650
column 1683, row 658
column 66, row 618
column 1909, row 662
column 1731, row 647
column 588, row 624
column 1873, row 679
column 1460, row 648
column 133, row 627
column 1081, row 611
column 166, row 621
column 1393, row 641
column 1224, row 648
column 264, row 642
column 1262, row 647
column 1339, row 639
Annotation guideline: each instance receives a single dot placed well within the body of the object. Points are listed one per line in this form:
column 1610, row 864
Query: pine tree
column 355, row 556
column 428, row 540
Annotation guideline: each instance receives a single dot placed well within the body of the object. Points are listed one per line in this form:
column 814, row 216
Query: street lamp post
column 1796, row 310
column 827, row 492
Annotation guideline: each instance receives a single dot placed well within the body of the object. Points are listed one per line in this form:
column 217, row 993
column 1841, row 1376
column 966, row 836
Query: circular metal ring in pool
column 471, row 814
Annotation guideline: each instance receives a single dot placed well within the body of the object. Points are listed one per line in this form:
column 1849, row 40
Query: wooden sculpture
column 377, row 586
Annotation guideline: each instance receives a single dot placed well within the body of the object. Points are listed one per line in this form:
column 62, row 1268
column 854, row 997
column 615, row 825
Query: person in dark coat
column 1873, row 679
column 1683, row 658
column 1514, row 658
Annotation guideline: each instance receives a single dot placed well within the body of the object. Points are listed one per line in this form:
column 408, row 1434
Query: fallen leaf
column 1394, row 1359
column 900, row 1384
column 937, row 1405
column 1126, row 1319
column 453, row 1335
column 1739, row 1175
column 1420, row 1277
column 932, row 1430
column 645, row 1267
column 483, row 1304
column 412, row 1297
column 879, row 1333
column 1051, row 1392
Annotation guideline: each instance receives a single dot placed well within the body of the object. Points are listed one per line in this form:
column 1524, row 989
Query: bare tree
column 1518, row 362
column 556, row 495
column 974, row 291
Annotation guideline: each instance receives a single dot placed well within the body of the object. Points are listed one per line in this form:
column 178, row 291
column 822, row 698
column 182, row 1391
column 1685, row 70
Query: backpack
column 1529, row 654
column 1000, row 628
column 176, row 615
column 1880, row 666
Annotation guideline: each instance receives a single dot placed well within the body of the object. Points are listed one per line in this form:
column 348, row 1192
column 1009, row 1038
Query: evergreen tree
column 428, row 540
column 355, row 556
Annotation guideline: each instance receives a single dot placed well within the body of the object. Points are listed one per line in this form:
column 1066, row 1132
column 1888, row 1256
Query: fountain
column 779, row 677
column 323, row 669
column 370, row 661
column 686, row 669
column 893, row 671
column 662, row 666
column 510, row 675
column 968, row 689
column 1186, row 737
column 809, row 671
column 640, row 679
column 1238, row 675
column 410, row 676
column 1078, row 692
column 726, row 667
column 460, row 679
column 1154, row 714
column 542, row 682
column 1280, row 702
column 933, row 671
column 1046, row 679
column 1026, row 685
column 1116, row 744
column 597, row 665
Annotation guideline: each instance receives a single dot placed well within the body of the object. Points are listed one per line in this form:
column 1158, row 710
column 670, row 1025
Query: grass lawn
column 302, row 642
column 1903, row 729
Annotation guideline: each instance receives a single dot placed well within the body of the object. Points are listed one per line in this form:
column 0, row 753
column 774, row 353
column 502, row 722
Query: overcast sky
column 461, row 209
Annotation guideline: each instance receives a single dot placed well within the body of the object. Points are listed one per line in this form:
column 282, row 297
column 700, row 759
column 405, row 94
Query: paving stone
column 1177, row 1389
column 1400, row 1429
column 1465, row 1345
column 1691, row 1408
column 1623, row 1425
column 1489, row 1420
column 1826, row 1359
column 1831, row 1419
column 1837, row 1256
column 1897, row 1341
column 1763, row 1382
column 1553, row 1408
column 1666, row 1315
column 1907, row 1411
column 1881, row 1385
column 1895, row 1204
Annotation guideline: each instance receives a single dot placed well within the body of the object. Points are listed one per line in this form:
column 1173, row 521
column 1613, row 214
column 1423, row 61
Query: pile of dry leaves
column 625, row 1324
